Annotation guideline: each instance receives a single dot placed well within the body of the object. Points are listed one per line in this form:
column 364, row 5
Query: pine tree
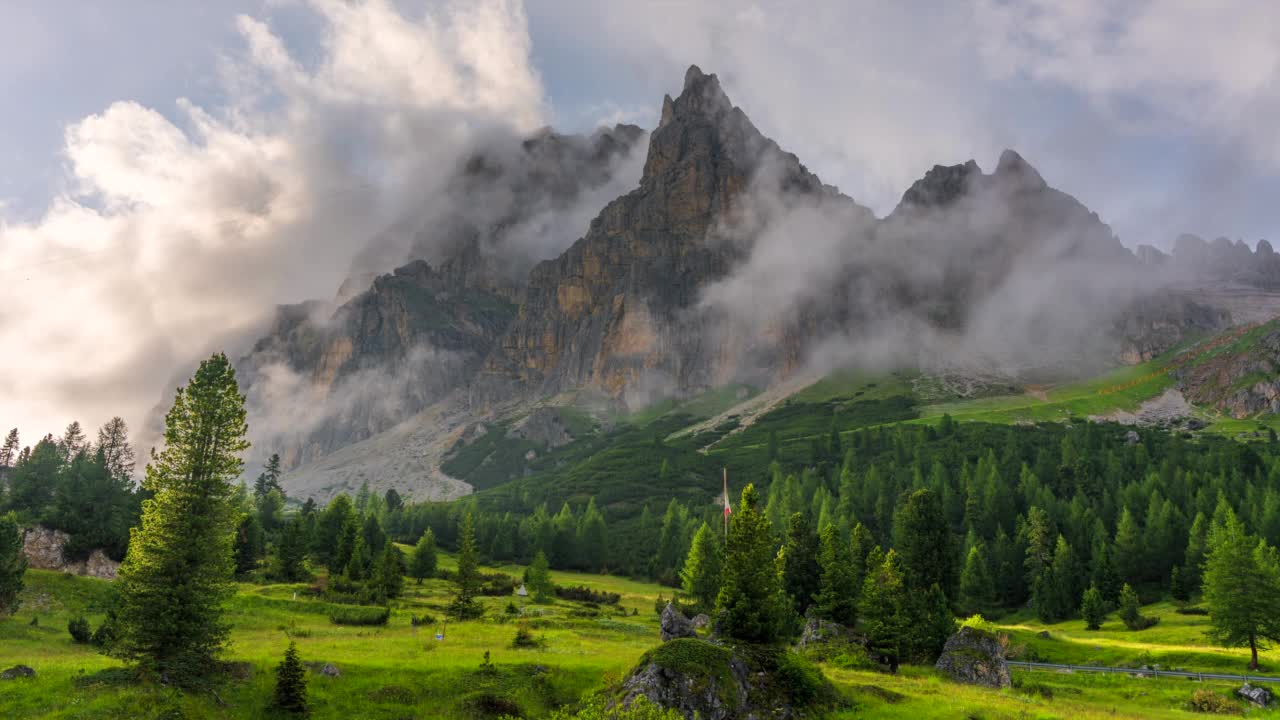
column 1131, row 611
column 977, row 589
column 374, row 536
column 329, row 530
column 1241, row 588
column 360, row 562
column 424, row 557
column 249, row 544
column 113, row 442
column 9, row 452
column 860, row 545
column 798, row 563
column 177, row 574
column 538, row 579
column 838, row 592
column 932, row 623
column 1197, row 545
column 751, row 606
column 1129, row 557
column 288, row 564
column 291, row 684
column 387, row 579
column 593, row 539
column 1093, row 608
column 73, row 441
column 464, row 605
column 923, row 542
column 882, row 607
column 13, row 564
column 271, row 511
column 700, row 576
column 269, row 479
column 348, row 537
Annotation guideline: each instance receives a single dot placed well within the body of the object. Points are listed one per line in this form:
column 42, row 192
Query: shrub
column 291, row 684
column 583, row 593
column 525, row 638
column 511, row 609
column 1192, row 611
column 416, row 620
column 597, row 708
column 79, row 629
column 358, row 615
column 1208, row 701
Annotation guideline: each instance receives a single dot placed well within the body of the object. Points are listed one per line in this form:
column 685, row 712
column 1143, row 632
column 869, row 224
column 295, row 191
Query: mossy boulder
column 975, row 657
column 716, row 682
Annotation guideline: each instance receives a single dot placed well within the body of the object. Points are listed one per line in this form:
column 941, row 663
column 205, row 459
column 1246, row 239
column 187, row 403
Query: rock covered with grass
column 976, row 657
column 716, row 682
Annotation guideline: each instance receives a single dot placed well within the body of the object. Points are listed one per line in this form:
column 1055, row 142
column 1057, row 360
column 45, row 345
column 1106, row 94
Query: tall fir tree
column 882, row 607
column 1241, row 588
column 117, row 453
column 177, row 574
column 1093, row 608
column 9, row 451
column 387, row 578
column 464, row 605
column 798, row 563
column 289, row 561
column 838, row 592
column 922, row 540
column 751, row 606
column 13, row 564
column 977, row 589
column 537, row 579
column 700, row 576
column 424, row 560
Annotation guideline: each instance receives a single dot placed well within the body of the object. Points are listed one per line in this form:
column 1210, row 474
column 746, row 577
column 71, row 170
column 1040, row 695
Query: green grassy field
column 400, row 671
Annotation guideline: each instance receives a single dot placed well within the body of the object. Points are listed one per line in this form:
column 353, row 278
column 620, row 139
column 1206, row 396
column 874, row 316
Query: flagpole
column 725, row 470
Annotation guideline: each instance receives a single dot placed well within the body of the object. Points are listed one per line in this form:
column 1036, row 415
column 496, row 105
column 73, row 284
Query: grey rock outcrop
column 701, row 620
column 1259, row 696
column 44, row 550
column 975, row 657
column 675, row 625
column 701, row 679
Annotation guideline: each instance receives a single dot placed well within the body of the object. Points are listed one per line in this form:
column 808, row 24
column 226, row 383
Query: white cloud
column 178, row 233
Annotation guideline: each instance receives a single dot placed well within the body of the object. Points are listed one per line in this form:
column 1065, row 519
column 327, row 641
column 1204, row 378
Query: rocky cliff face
column 318, row 383
column 1242, row 379
column 614, row 312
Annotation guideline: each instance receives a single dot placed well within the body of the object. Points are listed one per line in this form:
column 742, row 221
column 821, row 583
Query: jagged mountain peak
column 1012, row 166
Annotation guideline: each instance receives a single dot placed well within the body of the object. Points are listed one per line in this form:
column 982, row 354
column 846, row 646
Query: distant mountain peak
column 1013, row 166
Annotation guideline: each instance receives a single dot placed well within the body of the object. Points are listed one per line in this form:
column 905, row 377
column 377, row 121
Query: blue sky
column 168, row 171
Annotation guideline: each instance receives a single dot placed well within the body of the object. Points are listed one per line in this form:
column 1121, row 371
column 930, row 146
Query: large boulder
column 675, row 625
column 17, row 671
column 975, row 657
column 43, row 548
column 701, row 679
column 1259, row 696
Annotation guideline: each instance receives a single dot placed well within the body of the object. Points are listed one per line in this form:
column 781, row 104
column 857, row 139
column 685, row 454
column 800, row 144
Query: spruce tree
column 291, row 684
column 537, row 579
column 977, row 589
column 329, row 532
column 177, row 574
column 464, row 605
column 838, row 592
column 1129, row 556
column 751, row 606
column 249, row 544
column 113, row 442
column 1093, row 608
column 593, row 539
column 798, row 563
column 922, row 540
column 882, row 607
column 424, row 557
column 13, row 564
column 1241, row 588
column 9, row 451
column 932, row 623
column 288, row 563
column 700, row 577
column 269, row 479
column 387, row 579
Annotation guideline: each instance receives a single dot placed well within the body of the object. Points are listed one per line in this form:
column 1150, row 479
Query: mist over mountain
column 728, row 262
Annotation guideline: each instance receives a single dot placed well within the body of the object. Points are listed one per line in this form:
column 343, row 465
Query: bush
column 1192, row 611
column 525, row 638
column 417, row 620
column 597, row 708
column 358, row 615
column 511, row 609
column 583, row 593
column 1208, row 701
column 79, row 629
